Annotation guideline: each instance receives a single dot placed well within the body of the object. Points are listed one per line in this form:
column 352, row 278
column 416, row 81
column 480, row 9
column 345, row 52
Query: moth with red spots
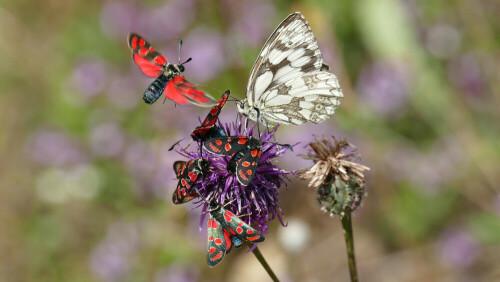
column 188, row 173
column 225, row 230
column 168, row 76
column 208, row 129
column 245, row 153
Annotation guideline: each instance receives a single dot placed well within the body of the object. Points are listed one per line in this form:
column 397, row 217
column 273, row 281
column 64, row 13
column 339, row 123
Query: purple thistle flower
column 259, row 200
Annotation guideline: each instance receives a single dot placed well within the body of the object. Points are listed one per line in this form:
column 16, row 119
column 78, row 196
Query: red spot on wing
column 160, row 60
column 143, row 51
column 250, row 231
column 242, row 175
column 215, row 224
column 249, row 172
column 151, row 49
column 242, row 141
column 254, row 152
column 260, row 153
column 142, row 42
column 227, row 147
column 227, row 218
column 239, row 230
column 217, row 257
column 218, row 241
column 251, row 239
column 212, row 250
column 210, row 238
column 241, row 223
column 183, row 182
column 193, row 176
column 230, row 214
column 214, row 148
column 232, row 231
column 245, row 164
column 134, row 42
column 218, row 142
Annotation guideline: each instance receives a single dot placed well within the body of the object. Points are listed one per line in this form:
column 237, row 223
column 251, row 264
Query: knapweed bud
column 340, row 182
column 339, row 196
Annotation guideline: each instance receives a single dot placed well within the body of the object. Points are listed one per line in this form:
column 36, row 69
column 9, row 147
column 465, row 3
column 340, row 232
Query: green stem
column 262, row 261
column 349, row 241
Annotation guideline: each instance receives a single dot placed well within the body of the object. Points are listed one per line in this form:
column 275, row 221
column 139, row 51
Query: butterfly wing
column 237, row 227
column 209, row 122
column 277, row 79
column 227, row 145
column 217, row 245
column 181, row 91
column 145, row 56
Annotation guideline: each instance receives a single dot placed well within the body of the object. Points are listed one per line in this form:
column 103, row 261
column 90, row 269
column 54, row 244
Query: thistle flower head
column 338, row 180
column 256, row 203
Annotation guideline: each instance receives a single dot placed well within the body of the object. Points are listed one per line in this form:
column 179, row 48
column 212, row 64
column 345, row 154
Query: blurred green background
column 86, row 178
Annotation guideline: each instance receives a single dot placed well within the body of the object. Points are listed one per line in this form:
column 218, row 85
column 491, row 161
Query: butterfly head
column 250, row 112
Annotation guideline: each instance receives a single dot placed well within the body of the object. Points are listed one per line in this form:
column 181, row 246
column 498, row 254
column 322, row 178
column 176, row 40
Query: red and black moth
column 208, row 129
column 188, row 173
column 168, row 76
column 225, row 230
column 245, row 153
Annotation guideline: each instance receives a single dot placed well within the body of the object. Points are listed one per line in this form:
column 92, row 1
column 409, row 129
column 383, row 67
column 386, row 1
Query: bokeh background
column 86, row 178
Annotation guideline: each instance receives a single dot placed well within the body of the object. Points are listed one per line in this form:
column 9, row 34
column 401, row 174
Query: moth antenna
column 180, row 46
column 187, row 61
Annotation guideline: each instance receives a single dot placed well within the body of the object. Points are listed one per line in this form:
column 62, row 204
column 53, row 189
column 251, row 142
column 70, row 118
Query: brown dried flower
column 338, row 180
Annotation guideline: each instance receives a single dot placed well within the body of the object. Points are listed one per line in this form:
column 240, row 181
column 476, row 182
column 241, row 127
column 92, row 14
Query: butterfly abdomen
column 155, row 89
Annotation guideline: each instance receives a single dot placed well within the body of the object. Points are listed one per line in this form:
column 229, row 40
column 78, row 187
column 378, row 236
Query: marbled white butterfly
column 289, row 84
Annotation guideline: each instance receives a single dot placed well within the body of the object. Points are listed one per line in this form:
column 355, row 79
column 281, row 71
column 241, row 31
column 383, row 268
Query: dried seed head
column 339, row 181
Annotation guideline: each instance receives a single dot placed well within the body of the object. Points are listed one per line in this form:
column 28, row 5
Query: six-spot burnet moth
column 168, row 76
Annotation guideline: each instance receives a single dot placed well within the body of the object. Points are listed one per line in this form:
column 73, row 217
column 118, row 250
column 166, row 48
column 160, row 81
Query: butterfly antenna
column 164, row 100
column 180, row 47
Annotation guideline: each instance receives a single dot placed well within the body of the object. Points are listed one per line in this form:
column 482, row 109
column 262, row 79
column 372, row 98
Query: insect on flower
column 208, row 129
column 168, row 76
column 224, row 230
column 188, row 173
column 245, row 152
column 289, row 83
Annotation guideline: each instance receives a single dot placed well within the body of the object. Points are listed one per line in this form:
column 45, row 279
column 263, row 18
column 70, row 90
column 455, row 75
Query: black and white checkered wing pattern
column 289, row 83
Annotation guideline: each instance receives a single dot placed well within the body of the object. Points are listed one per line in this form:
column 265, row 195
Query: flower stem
column 349, row 241
column 262, row 261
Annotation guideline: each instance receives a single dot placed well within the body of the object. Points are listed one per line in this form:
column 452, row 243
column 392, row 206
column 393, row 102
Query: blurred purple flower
column 51, row 147
column 458, row 248
column 113, row 258
column 385, row 86
column 251, row 22
column 156, row 22
column 118, row 19
column 165, row 21
column 124, row 92
column 443, row 40
column 428, row 170
column 90, row 77
column 208, row 52
column 142, row 165
column 107, row 139
column 259, row 199
column 178, row 273
column 465, row 74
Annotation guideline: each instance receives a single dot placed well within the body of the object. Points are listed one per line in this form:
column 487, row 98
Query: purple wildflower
column 259, row 200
